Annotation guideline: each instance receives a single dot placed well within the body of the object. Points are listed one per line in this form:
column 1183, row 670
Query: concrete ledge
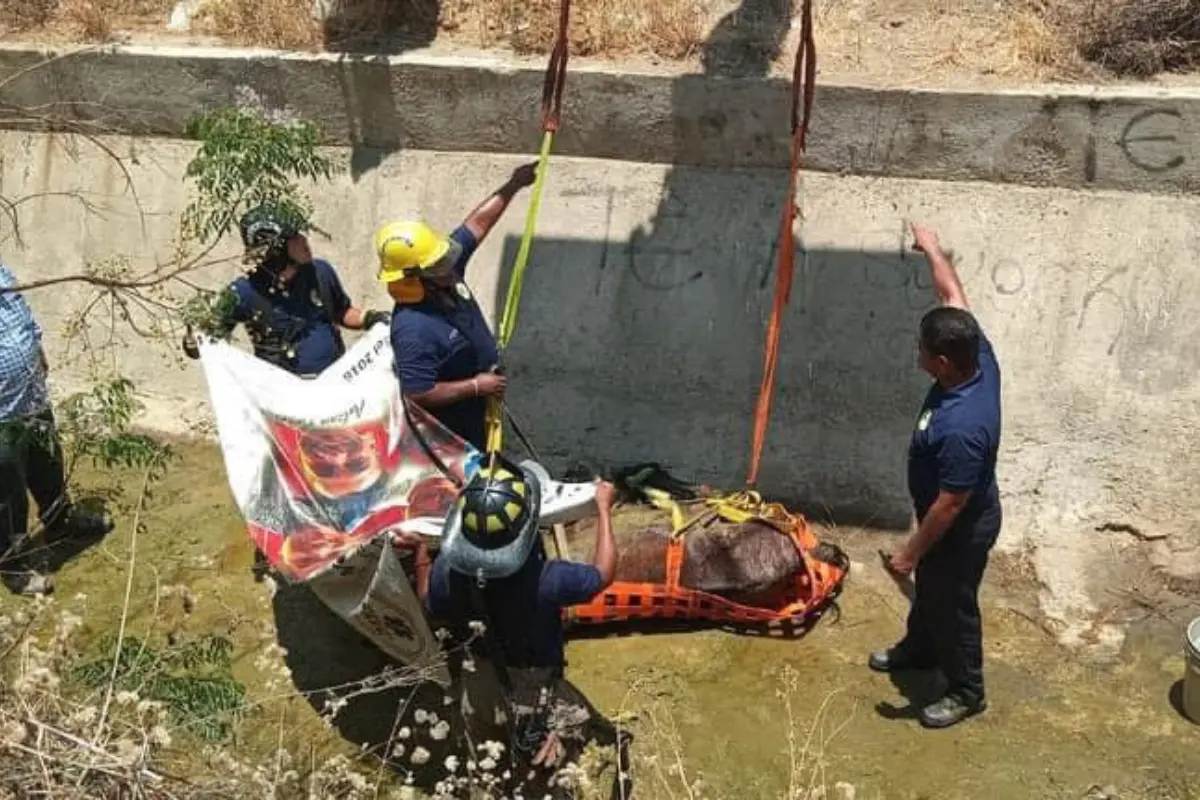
column 1140, row 139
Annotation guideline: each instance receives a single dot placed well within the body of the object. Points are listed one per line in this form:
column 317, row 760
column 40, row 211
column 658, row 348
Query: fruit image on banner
column 322, row 469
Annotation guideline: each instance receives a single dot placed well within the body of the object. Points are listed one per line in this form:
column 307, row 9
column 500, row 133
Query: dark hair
column 953, row 333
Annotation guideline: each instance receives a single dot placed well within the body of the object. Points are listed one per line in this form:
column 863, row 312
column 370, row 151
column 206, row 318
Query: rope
column 803, row 76
column 551, row 108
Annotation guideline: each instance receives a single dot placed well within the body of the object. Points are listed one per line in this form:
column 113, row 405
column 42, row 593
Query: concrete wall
column 1120, row 138
column 642, row 323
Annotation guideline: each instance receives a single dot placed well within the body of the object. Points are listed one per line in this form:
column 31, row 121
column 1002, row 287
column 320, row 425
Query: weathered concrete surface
column 642, row 322
column 1140, row 139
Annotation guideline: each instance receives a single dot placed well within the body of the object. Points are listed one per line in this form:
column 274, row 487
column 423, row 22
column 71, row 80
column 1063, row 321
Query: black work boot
column 28, row 583
column 951, row 710
column 896, row 659
column 79, row 523
column 88, row 524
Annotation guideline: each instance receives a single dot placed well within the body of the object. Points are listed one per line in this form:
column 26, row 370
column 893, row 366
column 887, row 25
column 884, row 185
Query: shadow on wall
column 366, row 86
column 378, row 26
column 369, row 31
column 651, row 350
column 727, row 112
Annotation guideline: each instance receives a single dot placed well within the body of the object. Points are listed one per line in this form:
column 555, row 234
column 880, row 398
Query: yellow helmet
column 406, row 248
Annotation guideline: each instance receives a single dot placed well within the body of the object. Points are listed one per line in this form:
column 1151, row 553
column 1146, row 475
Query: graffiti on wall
column 1143, row 144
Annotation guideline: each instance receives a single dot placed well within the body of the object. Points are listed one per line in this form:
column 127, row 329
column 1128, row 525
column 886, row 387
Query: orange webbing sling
column 803, row 75
column 814, row 587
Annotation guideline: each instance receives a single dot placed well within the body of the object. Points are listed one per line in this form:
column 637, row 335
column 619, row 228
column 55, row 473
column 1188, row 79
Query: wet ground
column 716, row 715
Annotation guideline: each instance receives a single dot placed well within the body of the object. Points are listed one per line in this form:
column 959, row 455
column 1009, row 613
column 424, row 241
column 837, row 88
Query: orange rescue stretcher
column 816, row 586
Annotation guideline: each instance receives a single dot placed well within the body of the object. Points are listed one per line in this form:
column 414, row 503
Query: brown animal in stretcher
column 750, row 563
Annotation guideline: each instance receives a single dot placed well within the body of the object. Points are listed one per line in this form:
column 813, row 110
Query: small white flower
column 487, row 765
column 404, row 732
column 420, row 756
column 398, row 751
column 451, row 763
column 468, row 664
column 477, row 627
column 160, row 737
column 440, row 731
column 420, row 716
column 84, row 716
column 14, row 732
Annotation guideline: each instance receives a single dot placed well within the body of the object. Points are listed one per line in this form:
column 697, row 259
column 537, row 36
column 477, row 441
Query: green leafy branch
column 193, row 680
column 95, row 424
column 245, row 161
column 242, row 161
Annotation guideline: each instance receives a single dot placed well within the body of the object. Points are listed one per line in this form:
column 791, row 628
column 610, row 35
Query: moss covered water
column 716, row 715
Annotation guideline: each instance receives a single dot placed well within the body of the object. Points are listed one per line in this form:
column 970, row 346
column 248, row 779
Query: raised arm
column 604, row 559
column 946, row 285
column 485, row 216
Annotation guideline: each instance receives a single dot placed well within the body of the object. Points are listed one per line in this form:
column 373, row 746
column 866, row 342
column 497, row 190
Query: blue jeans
column 31, row 463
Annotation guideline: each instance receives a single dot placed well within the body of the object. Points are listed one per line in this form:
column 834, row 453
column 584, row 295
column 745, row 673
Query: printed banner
column 318, row 467
column 321, row 468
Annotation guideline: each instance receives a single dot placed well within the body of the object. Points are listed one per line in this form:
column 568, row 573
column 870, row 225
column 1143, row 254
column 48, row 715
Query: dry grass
column 1133, row 38
column 1038, row 39
column 283, row 24
column 25, row 15
column 668, row 28
column 1040, row 49
column 81, row 20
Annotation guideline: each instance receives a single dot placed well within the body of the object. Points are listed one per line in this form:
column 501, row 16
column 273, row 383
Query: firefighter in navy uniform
column 291, row 304
column 952, row 480
column 446, row 357
column 502, row 599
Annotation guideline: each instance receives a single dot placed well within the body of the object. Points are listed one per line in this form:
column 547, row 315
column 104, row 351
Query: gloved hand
column 372, row 318
column 189, row 345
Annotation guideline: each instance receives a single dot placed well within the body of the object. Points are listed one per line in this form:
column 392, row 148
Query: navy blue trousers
column 944, row 624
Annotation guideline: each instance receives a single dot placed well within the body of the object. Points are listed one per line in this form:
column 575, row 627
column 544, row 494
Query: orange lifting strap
column 815, row 586
column 803, row 75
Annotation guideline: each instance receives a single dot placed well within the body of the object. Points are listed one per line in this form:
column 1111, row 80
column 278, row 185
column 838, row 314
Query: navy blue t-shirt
column 535, row 607
column 955, row 442
column 318, row 344
column 446, row 339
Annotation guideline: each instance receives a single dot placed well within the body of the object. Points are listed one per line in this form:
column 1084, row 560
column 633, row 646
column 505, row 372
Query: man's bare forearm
column 937, row 521
column 946, row 284
column 485, row 216
column 605, row 556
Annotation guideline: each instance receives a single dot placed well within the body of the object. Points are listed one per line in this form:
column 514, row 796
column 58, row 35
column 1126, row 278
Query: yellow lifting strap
column 508, row 322
column 552, row 88
column 736, row 508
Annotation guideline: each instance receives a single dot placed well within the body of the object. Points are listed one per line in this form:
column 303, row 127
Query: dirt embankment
column 928, row 41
